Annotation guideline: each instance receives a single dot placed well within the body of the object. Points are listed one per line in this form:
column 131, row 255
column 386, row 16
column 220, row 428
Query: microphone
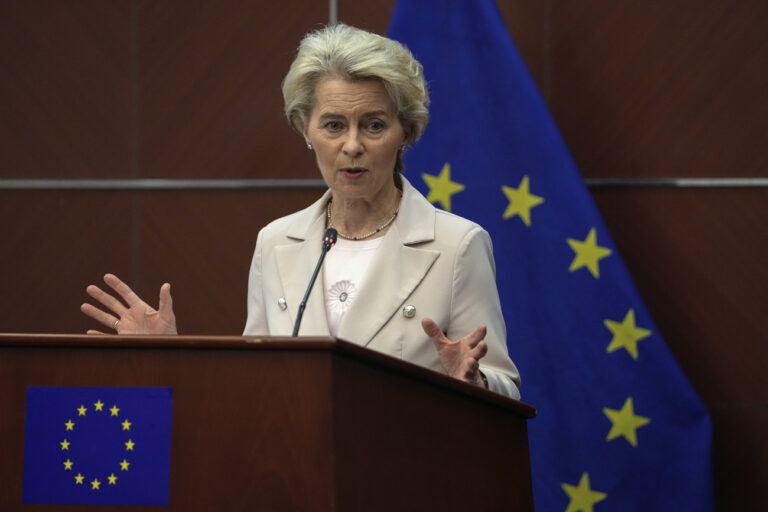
column 329, row 240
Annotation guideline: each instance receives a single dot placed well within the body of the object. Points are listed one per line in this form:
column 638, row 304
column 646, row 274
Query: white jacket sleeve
column 256, row 322
column 475, row 301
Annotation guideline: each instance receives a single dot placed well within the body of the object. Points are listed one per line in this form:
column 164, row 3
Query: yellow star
column 582, row 497
column 114, row 410
column 67, row 464
column 64, row 445
column 129, row 445
column 99, row 405
column 441, row 188
column 81, row 410
column 79, row 479
column 626, row 334
column 95, row 484
column 521, row 201
column 126, row 425
column 625, row 422
column 124, row 465
column 70, row 425
column 588, row 253
column 112, row 479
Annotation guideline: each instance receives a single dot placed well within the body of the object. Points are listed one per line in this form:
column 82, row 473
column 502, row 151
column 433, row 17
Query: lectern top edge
column 167, row 341
column 303, row 343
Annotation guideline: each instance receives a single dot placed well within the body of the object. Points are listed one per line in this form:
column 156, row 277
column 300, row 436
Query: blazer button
column 409, row 311
column 281, row 303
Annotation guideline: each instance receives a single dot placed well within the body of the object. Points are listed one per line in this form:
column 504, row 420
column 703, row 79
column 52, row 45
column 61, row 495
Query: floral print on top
column 344, row 271
column 340, row 296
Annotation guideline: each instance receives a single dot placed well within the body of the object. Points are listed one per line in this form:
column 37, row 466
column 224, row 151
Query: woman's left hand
column 461, row 358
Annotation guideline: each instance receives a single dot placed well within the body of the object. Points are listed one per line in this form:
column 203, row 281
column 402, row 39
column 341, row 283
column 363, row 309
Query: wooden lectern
column 288, row 424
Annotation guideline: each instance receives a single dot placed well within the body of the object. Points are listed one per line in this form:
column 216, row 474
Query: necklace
column 367, row 235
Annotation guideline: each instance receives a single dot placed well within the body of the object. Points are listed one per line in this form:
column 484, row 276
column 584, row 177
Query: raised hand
column 134, row 316
column 461, row 359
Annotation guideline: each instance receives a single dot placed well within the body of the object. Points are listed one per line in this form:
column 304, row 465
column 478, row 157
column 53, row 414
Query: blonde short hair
column 341, row 51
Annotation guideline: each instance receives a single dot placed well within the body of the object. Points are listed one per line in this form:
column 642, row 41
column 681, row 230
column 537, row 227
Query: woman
column 359, row 100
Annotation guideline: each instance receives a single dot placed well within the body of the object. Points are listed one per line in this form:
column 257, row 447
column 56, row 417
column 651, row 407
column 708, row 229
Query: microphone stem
column 309, row 289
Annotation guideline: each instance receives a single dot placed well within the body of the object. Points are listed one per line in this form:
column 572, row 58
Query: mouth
column 353, row 171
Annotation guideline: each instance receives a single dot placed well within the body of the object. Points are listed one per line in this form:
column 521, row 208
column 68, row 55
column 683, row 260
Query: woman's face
column 356, row 135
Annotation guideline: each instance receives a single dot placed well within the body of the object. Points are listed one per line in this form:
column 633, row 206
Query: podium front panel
column 286, row 424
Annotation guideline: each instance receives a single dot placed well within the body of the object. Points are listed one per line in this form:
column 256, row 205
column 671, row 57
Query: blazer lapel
column 395, row 271
column 296, row 260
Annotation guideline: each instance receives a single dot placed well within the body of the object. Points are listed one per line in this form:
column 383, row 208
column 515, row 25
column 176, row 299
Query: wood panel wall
column 190, row 89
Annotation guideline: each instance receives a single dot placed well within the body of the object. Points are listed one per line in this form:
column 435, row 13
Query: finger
column 98, row 315
column 479, row 351
column 122, row 289
column 166, row 301
column 106, row 299
column 93, row 331
column 474, row 369
column 471, row 367
column 476, row 336
column 433, row 331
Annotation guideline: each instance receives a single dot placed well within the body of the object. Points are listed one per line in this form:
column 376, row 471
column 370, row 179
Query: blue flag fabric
column 619, row 427
column 97, row 446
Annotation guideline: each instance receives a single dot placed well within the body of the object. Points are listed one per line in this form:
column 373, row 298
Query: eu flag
column 97, row 446
column 619, row 426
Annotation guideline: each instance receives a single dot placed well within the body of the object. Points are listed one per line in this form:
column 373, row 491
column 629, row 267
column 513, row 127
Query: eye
column 333, row 126
column 376, row 126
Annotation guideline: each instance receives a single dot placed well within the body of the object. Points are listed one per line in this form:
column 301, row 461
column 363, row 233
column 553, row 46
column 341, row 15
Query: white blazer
column 440, row 263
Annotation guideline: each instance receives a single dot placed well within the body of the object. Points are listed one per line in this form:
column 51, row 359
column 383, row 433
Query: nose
column 353, row 146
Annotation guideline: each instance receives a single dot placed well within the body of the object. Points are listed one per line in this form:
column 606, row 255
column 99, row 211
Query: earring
column 309, row 146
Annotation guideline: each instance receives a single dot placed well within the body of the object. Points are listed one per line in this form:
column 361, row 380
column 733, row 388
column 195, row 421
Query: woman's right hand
column 137, row 317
